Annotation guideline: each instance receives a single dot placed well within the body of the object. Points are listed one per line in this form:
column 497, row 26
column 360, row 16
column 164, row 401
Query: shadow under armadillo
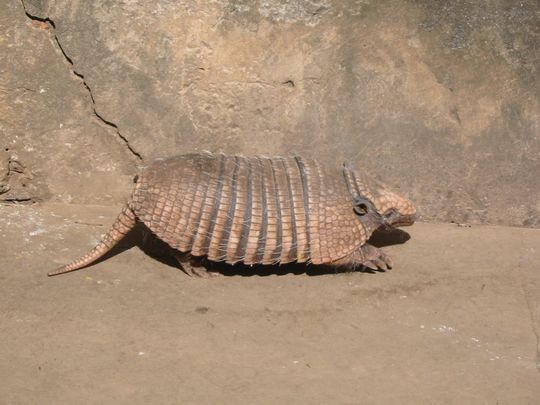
column 143, row 238
column 385, row 237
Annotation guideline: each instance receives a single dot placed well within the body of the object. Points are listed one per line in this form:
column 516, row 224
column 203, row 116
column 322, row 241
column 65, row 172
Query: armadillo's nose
column 407, row 220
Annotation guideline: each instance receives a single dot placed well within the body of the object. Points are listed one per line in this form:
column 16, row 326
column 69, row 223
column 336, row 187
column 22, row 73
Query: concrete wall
column 438, row 99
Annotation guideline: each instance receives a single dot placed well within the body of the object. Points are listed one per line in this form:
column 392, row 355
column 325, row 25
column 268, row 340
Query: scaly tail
column 123, row 224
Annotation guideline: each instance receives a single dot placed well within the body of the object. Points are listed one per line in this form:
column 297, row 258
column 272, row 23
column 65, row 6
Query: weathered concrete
column 456, row 321
column 52, row 145
column 439, row 99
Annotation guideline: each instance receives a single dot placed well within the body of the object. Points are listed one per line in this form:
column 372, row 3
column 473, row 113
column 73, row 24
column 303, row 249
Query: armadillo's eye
column 361, row 209
column 391, row 215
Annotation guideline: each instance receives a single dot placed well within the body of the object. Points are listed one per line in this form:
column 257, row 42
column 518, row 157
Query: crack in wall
column 81, row 77
column 18, row 201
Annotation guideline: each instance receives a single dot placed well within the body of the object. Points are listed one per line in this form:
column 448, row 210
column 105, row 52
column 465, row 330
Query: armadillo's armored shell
column 255, row 210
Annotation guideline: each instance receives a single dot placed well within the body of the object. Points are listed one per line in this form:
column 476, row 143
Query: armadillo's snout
column 400, row 216
column 394, row 218
column 408, row 216
column 408, row 213
column 405, row 220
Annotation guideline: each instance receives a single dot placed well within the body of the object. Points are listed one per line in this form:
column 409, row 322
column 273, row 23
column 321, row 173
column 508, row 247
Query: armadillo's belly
column 255, row 210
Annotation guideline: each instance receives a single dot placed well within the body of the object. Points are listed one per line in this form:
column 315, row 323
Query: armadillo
column 258, row 210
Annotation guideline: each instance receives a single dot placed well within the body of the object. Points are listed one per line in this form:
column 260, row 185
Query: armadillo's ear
column 361, row 206
column 360, row 209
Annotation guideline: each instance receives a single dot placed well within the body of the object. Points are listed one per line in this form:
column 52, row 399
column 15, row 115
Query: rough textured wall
column 52, row 145
column 438, row 99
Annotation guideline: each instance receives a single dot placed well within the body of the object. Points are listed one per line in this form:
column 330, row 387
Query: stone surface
column 456, row 321
column 438, row 99
column 53, row 147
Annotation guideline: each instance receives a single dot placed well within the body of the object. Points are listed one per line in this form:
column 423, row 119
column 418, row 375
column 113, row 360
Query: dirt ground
column 456, row 321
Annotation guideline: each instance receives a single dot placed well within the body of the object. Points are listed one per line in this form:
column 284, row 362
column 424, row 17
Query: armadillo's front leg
column 373, row 258
column 368, row 256
column 191, row 268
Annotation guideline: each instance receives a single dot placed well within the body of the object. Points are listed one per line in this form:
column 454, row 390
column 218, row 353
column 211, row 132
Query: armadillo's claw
column 380, row 263
column 374, row 258
column 203, row 273
column 370, row 265
column 387, row 260
column 198, row 271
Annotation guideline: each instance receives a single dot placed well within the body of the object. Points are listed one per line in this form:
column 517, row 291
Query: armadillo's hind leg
column 191, row 268
column 123, row 224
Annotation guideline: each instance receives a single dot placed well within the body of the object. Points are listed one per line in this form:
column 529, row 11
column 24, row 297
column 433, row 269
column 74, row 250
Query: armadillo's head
column 394, row 209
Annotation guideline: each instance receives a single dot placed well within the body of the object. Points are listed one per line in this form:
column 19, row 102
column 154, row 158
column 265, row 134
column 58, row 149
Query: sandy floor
column 456, row 321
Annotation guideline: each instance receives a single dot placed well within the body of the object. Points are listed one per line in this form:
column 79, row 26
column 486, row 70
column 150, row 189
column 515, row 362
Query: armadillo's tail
column 125, row 221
